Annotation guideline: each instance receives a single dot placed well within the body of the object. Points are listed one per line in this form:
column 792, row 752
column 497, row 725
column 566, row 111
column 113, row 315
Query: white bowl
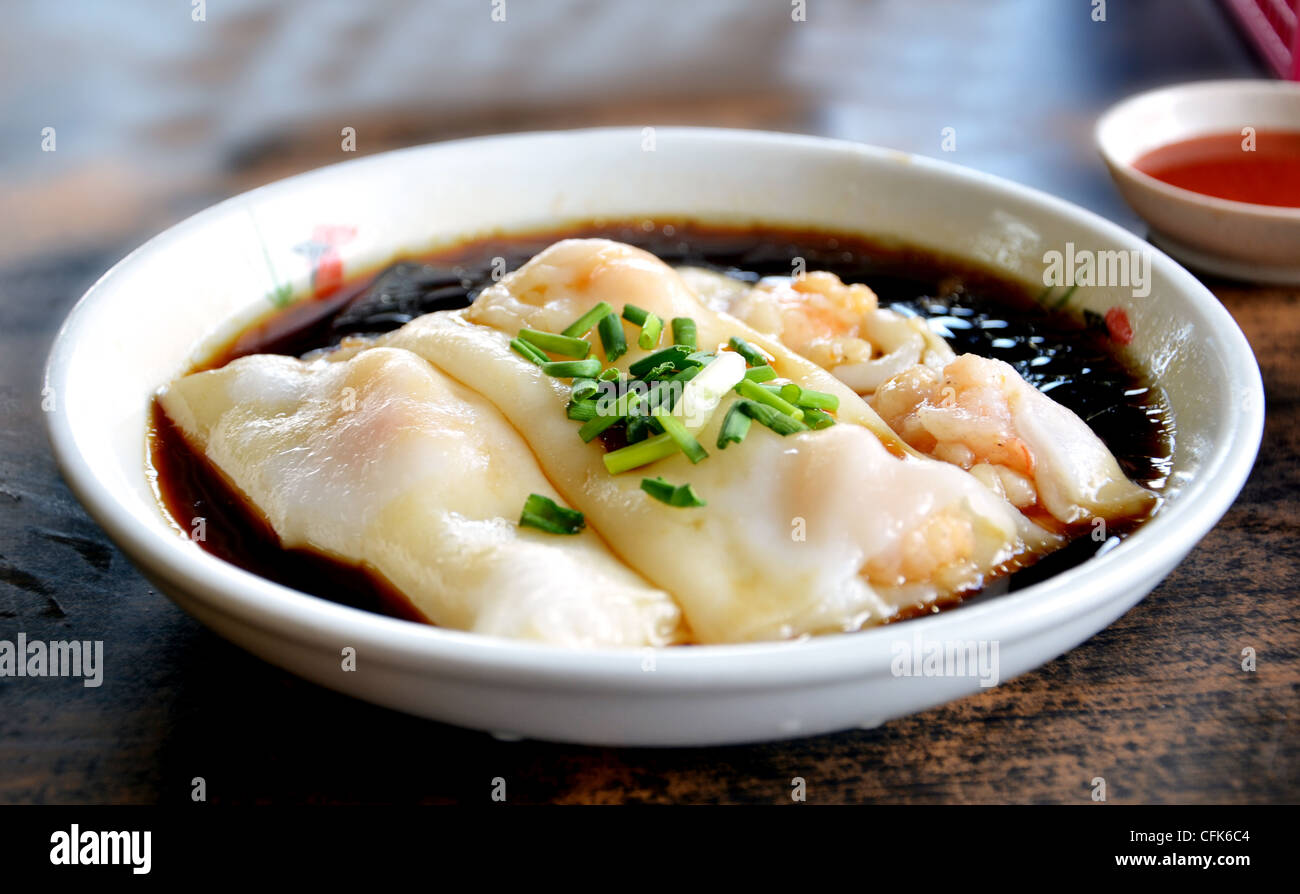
column 158, row 309
column 1256, row 243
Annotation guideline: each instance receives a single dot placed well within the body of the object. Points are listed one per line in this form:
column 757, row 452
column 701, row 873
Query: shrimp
column 942, row 545
column 979, row 414
column 961, row 415
column 839, row 326
column 968, row 411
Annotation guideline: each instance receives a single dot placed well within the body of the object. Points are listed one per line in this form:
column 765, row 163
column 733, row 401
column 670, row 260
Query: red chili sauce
column 1226, row 166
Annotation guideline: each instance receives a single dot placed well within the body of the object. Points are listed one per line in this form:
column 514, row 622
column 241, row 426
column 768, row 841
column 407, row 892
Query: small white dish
column 1255, row 243
column 160, row 308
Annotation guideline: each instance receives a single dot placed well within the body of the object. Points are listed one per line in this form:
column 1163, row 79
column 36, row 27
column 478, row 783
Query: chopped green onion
column 583, row 324
column 684, row 331
column 790, row 393
column 660, row 395
column 650, row 332
column 584, row 388
column 658, row 488
column 545, row 514
column 626, row 405
column 818, row 400
column 735, row 425
column 761, row 394
column 556, row 344
column 702, row 358
column 609, row 375
column 612, row 339
column 640, row 454
column 680, row 496
column 774, row 419
column 635, row 315
column 593, row 427
column 582, row 410
column 612, row 414
column 676, row 355
column 528, row 352
column 681, row 378
column 760, row 374
column 638, row 429
column 703, row 393
column 662, row 371
column 817, row 419
column 674, row 428
column 572, row 369
column 753, row 356
column 685, row 496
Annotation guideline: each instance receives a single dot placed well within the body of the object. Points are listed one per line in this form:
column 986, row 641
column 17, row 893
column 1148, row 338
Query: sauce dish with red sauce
column 1214, row 169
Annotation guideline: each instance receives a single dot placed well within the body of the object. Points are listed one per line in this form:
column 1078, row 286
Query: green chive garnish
column 638, row 429
column 651, row 325
column 648, row 402
column 556, row 344
column 817, row 419
column 753, row 356
column 658, row 488
column 774, row 419
column 681, row 378
column 619, row 411
column 583, row 389
column 676, row 355
column 528, row 352
column 735, row 425
column 640, row 454
column 674, row 428
column 572, row 369
column 610, row 328
column 666, row 393
column 582, row 410
column 758, row 393
column 583, row 324
column 545, row 514
column 684, row 331
column 818, row 400
column 650, row 332
column 662, row 371
column 681, row 496
column 760, row 374
column 597, row 424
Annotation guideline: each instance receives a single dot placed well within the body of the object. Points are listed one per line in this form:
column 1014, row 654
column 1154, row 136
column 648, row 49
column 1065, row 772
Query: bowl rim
column 297, row 617
column 1110, row 120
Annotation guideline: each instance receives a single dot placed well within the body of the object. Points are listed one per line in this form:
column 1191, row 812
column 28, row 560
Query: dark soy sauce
column 977, row 311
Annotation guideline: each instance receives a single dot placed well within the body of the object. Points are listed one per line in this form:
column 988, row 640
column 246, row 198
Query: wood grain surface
column 1157, row 703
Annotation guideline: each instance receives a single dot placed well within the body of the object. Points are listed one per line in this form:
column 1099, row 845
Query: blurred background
column 161, row 108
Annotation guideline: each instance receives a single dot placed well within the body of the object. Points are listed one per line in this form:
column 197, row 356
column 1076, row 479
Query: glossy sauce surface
column 1223, row 166
column 1074, row 360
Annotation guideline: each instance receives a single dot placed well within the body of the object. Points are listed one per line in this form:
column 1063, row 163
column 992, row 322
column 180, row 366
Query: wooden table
column 1157, row 704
